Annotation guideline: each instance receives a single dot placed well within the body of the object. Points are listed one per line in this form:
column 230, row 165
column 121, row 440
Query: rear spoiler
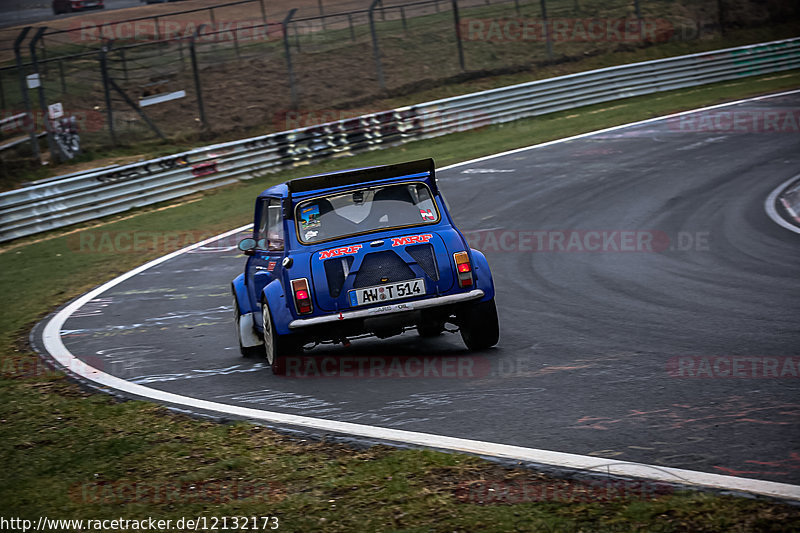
column 362, row 175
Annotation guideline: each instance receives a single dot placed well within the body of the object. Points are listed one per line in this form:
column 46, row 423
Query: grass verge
column 66, row 453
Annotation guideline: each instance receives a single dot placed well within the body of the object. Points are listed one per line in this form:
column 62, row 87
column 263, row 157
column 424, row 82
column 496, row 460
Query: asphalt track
column 589, row 339
column 16, row 12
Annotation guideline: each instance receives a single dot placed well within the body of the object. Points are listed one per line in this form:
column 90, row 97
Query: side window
column 274, row 225
column 270, row 226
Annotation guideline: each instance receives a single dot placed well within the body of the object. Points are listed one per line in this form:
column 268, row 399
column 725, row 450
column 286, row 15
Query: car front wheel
column 480, row 328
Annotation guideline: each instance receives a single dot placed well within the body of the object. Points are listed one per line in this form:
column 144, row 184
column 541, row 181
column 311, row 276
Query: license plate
column 385, row 293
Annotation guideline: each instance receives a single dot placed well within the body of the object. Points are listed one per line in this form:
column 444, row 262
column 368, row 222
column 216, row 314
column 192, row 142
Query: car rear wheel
column 480, row 328
column 276, row 348
column 246, row 351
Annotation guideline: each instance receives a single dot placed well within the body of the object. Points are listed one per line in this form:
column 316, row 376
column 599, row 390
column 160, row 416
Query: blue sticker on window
column 309, row 217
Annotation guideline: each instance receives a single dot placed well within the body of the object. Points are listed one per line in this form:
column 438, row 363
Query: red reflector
column 466, row 282
column 305, row 309
column 301, row 295
column 463, row 267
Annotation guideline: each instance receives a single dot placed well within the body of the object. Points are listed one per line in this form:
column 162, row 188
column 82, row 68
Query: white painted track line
column 769, row 205
column 53, row 344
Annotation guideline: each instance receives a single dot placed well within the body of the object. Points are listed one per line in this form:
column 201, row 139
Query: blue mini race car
column 370, row 251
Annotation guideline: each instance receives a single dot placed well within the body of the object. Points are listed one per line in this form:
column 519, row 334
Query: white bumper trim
column 435, row 301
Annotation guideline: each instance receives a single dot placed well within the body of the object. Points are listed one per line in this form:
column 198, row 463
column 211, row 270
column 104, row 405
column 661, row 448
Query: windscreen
column 365, row 210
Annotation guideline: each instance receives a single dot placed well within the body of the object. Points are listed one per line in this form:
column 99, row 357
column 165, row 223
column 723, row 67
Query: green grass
column 71, row 454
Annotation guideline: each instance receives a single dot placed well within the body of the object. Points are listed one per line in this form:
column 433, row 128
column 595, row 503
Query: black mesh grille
column 423, row 255
column 382, row 267
column 336, row 272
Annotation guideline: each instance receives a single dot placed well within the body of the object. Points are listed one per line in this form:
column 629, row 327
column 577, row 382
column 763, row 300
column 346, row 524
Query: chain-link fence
column 228, row 67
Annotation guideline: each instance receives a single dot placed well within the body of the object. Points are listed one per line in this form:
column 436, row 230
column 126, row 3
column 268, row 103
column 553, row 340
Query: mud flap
column 247, row 334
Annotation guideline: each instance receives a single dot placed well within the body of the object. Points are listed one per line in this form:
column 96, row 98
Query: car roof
column 423, row 169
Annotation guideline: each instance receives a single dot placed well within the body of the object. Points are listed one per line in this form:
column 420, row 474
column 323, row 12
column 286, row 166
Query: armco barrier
column 107, row 191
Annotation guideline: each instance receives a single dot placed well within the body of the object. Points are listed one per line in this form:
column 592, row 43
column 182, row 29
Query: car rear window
column 365, row 210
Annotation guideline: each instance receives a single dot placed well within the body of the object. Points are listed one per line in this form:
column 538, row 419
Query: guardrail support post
column 24, row 89
column 54, row 154
column 288, row 52
column 196, row 73
column 546, row 23
column 375, row 48
column 459, row 44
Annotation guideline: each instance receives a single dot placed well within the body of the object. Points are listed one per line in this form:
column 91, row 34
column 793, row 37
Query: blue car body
column 313, row 275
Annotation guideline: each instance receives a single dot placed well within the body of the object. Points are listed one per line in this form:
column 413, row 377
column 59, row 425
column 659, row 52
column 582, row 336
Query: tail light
column 302, row 296
column 464, row 269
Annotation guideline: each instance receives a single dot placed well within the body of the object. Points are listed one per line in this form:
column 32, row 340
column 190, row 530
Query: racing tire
column 275, row 347
column 480, row 328
column 246, row 351
column 430, row 330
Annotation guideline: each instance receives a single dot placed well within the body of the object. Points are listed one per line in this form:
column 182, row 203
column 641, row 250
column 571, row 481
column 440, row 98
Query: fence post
column 2, row 91
column 457, row 22
column 721, row 15
column 287, row 51
column 516, row 7
column 350, row 24
column 54, row 155
column 24, row 88
column 124, row 63
column 44, row 56
column 157, row 29
column 263, row 12
column 375, row 49
column 107, row 91
column 638, row 9
column 321, row 13
column 196, row 73
column 403, row 17
column 547, row 36
column 63, row 79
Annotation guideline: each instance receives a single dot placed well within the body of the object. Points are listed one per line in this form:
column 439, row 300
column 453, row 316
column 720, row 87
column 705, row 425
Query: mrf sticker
column 411, row 239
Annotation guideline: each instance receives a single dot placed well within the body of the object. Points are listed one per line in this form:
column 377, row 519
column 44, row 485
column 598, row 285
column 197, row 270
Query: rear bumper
column 427, row 303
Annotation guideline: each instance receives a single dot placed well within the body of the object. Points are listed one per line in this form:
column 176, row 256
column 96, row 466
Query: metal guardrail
column 108, row 191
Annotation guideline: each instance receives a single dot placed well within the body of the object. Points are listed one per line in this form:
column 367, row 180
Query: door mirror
column 248, row 246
